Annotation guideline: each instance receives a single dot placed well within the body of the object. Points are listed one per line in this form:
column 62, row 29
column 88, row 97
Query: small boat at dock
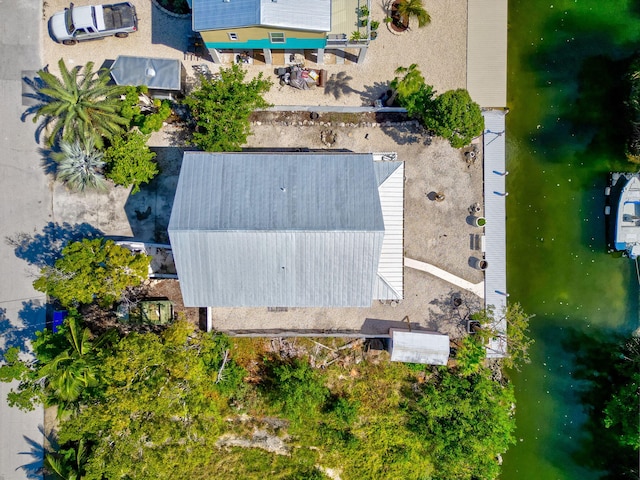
column 622, row 213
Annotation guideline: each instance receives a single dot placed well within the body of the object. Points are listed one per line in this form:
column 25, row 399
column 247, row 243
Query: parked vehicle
column 76, row 24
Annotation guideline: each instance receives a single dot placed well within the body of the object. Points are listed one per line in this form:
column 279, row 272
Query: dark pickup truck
column 75, row 24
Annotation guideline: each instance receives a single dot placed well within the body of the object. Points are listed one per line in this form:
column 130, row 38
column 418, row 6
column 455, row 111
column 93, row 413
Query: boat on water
column 622, row 213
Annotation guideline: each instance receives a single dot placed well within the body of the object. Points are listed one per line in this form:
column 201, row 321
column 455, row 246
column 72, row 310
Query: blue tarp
column 58, row 319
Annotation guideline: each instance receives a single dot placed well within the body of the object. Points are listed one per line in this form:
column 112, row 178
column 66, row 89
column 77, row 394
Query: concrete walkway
column 24, row 208
column 475, row 288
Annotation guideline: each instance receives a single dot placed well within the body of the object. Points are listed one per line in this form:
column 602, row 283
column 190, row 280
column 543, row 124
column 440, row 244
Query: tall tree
column 80, row 105
column 221, row 109
column 516, row 336
column 80, row 165
column 454, row 116
column 407, row 82
column 67, row 464
column 64, row 372
column 411, row 90
column 74, row 369
column 89, row 270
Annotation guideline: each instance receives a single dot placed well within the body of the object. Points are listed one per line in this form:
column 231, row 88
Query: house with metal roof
column 274, row 30
column 288, row 229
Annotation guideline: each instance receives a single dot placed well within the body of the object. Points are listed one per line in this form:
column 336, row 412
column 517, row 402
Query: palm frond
column 79, row 104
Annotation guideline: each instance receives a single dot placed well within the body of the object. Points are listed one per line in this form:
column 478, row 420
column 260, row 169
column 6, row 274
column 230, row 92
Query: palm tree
column 407, row 9
column 80, row 165
column 80, row 105
column 73, row 370
column 408, row 81
column 69, row 464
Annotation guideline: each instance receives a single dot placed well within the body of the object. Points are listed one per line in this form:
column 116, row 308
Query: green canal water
column 566, row 60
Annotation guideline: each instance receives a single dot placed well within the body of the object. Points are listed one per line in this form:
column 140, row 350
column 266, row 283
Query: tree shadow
column 149, row 210
column 34, row 468
column 43, row 249
column 180, row 137
column 338, row 85
column 452, row 311
column 408, row 134
column 34, row 99
column 371, row 93
column 49, row 165
column 596, row 357
column 31, row 316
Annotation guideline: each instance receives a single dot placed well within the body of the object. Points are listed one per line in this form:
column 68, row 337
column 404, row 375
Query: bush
column 295, row 388
column 146, row 122
column 153, row 122
column 454, row 116
column 130, row 162
column 466, row 423
column 221, row 109
column 471, row 355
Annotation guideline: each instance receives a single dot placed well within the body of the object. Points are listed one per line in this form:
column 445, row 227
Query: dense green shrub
column 221, row 109
column 466, row 423
column 470, row 355
column 153, row 122
column 130, row 162
column 454, row 116
column 295, row 388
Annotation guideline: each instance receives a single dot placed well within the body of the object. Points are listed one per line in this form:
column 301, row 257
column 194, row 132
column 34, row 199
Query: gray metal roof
column 311, row 15
column 277, row 229
column 495, row 229
column 155, row 73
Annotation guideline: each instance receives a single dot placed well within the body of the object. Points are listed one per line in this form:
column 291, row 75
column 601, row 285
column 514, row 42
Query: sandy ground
column 439, row 50
column 439, row 233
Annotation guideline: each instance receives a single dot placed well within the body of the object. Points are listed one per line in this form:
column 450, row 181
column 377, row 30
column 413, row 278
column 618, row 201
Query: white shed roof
column 390, row 174
column 419, row 347
column 487, row 52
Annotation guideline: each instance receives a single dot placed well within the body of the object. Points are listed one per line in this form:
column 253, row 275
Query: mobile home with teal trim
column 268, row 28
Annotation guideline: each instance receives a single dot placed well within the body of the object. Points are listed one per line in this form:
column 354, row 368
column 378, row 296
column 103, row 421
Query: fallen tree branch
column 224, row 362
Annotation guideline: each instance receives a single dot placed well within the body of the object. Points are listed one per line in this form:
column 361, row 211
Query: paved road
column 24, row 208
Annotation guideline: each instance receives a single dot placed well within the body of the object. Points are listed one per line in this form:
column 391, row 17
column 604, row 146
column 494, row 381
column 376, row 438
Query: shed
column 163, row 76
column 419, row 347
column 277, row 229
